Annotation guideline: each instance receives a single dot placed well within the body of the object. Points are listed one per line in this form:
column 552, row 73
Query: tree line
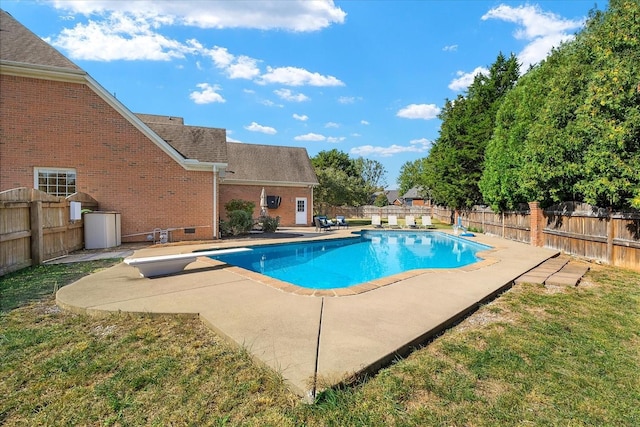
column 345, row 181
column 566, row 129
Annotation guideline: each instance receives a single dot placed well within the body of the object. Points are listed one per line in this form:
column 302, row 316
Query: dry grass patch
column 534, row 356
column 60, row 368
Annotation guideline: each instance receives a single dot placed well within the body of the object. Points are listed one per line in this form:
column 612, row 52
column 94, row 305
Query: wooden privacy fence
column 574, row 228
column 443, row 214
column 513, row 225
column 384, row 212
column 594, row 233
column 35, row 227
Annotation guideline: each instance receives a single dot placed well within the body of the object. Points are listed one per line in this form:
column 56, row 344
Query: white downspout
column 311, row 207
column 215, row 202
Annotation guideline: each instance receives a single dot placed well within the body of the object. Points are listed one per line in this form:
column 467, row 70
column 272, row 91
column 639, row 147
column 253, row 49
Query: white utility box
column 75, row 211
column 101, row 230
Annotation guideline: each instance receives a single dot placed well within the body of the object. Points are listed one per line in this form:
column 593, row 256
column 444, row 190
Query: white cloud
column 255, row 127
column 364, row 122
column 538, row 49
column 302, row 118
column 119, row 37
column 208, row 95
column 335, row 139
column 270, row 103
column 346, row 100
column 543, row 30
column 243, row 68
column 419, row 111
column 288, row 95
column 464, row 80
column 220, row 56
column 331, row 125
column 450, row 48
column 415, row 146
column 134, row 30
column 421, row 143
column 310, row 137
column 293, row 76
column 235, row 67
column 299, row 15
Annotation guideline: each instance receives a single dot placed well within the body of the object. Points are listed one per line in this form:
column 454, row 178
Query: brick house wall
column 287, row 209
column 66, row 125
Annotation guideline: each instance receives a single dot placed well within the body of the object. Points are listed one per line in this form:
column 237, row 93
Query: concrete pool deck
column 313, row 341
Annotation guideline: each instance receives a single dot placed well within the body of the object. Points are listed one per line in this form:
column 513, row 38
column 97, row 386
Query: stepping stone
column 533, row 277
column 544, row 271
column 569, row 275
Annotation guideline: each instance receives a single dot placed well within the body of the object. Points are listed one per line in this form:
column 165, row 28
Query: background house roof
column 413, row 193
column 192, row 142
column 20, row 45
column 269, row 163
column 392, row 196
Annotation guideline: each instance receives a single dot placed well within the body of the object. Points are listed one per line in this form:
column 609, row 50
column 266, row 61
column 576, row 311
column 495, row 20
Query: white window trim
column 38, row 170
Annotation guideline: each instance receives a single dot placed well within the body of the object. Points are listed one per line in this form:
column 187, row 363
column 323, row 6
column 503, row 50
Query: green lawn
column 534, row 356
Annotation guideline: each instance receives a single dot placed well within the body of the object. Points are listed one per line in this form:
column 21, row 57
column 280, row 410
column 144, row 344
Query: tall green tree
column 337, row 189
column 373, row 173
column 341, row 180
column 608, row 122
column 411, row 175
column 456, row 160
column 570, row 130
column 335, row 159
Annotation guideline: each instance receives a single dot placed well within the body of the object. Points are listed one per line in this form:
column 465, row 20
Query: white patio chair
column 426, row 222
column 392, row 222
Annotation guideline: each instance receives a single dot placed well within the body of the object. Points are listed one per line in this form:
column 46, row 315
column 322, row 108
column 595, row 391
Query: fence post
column 536, row 218
column 610, row 237
column 37, row 244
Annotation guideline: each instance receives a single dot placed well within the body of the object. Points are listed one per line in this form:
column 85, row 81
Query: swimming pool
column 340, row 263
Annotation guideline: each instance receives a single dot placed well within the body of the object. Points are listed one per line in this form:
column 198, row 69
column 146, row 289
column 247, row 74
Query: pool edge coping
column 485, row 260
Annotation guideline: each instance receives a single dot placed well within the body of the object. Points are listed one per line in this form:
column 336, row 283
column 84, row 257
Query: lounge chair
column 341, row 221
column 393, row 221
column 376, row 221
column 326, row 220
column 410, row 221
column 426, row 222
column 322, row 224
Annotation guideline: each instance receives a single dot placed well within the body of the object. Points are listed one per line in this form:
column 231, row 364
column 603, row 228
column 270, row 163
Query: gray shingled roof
column 18, row 44
column 269, row 163
column 412, row 193
column 392, row 196
column 192, row 142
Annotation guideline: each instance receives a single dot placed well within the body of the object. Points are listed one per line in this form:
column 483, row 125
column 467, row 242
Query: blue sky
column 365, row 77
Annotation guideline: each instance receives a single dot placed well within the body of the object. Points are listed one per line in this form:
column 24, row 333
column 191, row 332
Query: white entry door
column 301, row 211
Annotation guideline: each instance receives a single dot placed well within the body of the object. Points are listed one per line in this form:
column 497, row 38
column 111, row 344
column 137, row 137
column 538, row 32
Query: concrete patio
column 313, row 340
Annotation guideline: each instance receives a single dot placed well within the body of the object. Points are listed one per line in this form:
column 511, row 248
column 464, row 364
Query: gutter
column 232, row 181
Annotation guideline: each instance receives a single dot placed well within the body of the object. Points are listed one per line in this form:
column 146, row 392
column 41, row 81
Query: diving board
column 168, row 264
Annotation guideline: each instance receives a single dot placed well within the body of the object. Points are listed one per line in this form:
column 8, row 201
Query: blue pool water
column 341, row 263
